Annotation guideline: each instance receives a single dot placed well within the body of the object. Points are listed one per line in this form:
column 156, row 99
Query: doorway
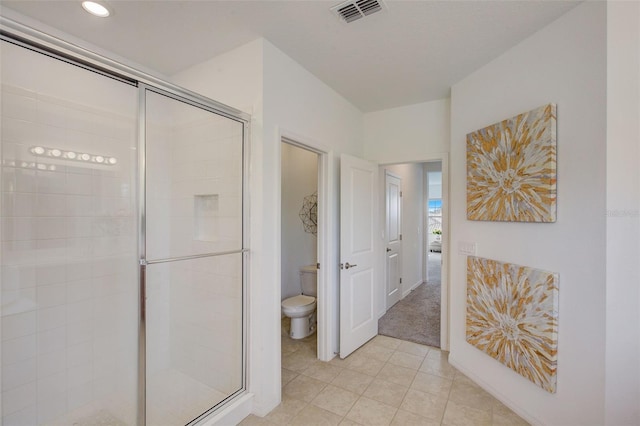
column 421, row 314
column 299, row 245
column 433, row 221
column 393, row 237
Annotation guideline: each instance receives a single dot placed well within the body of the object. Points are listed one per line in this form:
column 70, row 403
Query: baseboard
column 413, row 287
column 381, row 313
column 495, row 393
column 232, row 414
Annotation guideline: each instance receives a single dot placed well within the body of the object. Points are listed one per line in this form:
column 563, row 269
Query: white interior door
column 393, row 185
column 358, row 271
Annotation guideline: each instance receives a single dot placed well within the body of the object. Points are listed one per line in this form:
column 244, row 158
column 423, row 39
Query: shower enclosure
column 123, row 253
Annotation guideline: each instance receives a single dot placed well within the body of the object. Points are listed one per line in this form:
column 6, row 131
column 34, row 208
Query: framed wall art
column 512, row 315
column 511, row 169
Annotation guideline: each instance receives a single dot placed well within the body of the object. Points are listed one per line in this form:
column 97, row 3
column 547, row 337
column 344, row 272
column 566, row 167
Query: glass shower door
column 68, row 254
column 192, row 258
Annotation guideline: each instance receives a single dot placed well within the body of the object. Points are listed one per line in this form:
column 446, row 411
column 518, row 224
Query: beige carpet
column 416, row 317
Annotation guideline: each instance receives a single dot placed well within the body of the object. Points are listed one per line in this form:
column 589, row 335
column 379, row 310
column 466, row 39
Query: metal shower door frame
column 142, row 253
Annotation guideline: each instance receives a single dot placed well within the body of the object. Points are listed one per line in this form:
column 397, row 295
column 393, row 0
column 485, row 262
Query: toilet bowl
column 302, row 308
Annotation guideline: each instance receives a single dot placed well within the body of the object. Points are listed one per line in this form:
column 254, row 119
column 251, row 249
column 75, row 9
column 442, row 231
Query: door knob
column 388, row 249
column 347, row 266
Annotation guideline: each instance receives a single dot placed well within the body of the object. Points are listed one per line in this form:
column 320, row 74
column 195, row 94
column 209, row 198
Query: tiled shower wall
column 69, row 281
column 194, row 206
column 206, row 216
column 158, row 276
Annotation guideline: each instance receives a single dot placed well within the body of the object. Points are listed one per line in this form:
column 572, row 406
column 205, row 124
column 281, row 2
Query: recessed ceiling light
column 95, row 9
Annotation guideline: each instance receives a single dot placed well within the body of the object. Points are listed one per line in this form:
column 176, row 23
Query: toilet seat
column 298, row 303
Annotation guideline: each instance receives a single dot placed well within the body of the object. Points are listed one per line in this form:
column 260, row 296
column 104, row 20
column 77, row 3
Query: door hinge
column 400, row 237
column 318, row 265
column 401, row 193
column 400, row 280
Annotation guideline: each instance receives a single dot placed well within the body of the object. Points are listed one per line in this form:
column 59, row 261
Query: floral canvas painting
column 512, row 315
column 511, row 169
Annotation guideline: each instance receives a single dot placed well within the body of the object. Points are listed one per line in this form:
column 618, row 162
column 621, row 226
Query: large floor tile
column 287, row 376
column 413, row 348
column 386, row 392
column 386, row 341
column 286, row 411
column 299, row 360
column 471, row 395
column 347, row 422
column 322, row 371
column 424, row 404
column 503, row 416
column 362, row 363
column 352, row 381
column 335, row 399
column 462, row 415
column 406, row 360
column 377, row 352
column 425, row 382
column 371, row 413
column 304, row 388
column 396, row 374
column 315, row 416
column 438, row 367
column 405, row 418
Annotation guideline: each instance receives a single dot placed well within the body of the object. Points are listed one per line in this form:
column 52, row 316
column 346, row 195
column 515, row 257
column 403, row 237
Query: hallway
column 416, row 318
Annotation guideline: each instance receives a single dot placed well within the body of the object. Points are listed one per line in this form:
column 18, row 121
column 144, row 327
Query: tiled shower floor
column 173, row 398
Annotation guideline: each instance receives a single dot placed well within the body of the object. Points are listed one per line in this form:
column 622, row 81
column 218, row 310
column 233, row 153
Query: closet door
column 192, row 257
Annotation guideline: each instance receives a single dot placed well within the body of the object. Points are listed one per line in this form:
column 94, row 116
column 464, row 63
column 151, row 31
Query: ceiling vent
column 353, row 10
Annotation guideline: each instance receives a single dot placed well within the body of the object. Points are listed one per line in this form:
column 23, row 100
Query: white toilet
column 302, row 309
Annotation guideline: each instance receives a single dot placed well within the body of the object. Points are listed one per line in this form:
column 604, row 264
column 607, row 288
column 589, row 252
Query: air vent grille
column 353, row 10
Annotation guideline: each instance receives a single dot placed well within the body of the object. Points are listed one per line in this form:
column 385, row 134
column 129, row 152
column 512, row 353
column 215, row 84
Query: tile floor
column 385, row 382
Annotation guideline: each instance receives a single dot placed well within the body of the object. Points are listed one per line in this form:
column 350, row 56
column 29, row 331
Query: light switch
column 467, row 248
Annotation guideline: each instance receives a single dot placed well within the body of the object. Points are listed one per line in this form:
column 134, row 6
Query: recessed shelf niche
column 205, row 211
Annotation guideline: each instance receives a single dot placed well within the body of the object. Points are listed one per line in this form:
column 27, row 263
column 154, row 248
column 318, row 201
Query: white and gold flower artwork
column 511, row 169
column 512, row 315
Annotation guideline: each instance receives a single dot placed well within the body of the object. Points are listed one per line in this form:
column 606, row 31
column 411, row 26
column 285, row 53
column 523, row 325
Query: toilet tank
column 309, row 280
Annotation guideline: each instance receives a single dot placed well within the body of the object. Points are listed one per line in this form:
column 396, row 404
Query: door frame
column 386, row 174
column 425, row 268
column 445, row 288
column 326, row 311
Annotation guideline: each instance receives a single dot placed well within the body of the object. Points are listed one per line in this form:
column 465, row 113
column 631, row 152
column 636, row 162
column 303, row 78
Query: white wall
column 299, row 248
column 564, row 63
column 233, row 78
column 623, row 214
column 412, row 222
column 296, row 103
column 407, row 133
